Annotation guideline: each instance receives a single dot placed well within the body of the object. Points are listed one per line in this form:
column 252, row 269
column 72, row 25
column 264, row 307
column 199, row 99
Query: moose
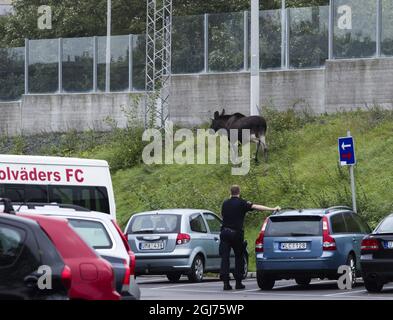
column 256, row 124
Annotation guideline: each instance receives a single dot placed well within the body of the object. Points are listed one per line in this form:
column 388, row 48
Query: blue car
column 307, row 244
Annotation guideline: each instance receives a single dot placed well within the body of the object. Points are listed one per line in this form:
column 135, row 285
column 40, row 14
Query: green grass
column 302, row 171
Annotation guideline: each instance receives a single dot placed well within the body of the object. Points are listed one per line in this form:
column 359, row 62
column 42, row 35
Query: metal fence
column 290, row 38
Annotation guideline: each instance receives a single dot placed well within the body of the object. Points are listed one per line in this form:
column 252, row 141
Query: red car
column 91, row 277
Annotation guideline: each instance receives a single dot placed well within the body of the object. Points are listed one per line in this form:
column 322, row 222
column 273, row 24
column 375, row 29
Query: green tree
column 88, row 17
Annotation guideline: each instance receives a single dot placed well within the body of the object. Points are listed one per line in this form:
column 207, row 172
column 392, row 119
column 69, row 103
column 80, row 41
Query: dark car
column 377, row 256
column 24, row 247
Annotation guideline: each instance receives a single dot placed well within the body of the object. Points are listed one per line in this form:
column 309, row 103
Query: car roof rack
column 338, row 208
column 33, row 205
column 8, row 208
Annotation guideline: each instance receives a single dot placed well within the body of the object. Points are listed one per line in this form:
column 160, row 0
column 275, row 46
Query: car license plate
column 152, row 245
column 293, row 246
column 389, row 244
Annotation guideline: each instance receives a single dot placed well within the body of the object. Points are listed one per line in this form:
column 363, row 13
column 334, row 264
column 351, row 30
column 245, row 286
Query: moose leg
column 256, row 153
column 233, row 156
column 264, row 145
column 257, row 141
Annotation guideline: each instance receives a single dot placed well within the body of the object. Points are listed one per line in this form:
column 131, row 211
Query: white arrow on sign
column 344, row 146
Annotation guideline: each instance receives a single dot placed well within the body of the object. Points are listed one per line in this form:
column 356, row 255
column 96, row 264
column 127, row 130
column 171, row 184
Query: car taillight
column 328, row 243
column 126, row 280
column 259, row 241
column 182, row 238
column 370, row 244
column 66, row 277
column 132, row 262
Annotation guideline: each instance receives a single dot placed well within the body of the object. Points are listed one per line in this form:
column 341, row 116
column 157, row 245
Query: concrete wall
column 10, row 118
column 342, row 85
column 195, row 97
column 63, row 112
column 352, row 84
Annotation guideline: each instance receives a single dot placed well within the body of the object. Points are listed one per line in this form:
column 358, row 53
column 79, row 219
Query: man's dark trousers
column 231, row 239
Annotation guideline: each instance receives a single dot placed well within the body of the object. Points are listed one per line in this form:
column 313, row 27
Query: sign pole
column 108, row 47
column 353, row 186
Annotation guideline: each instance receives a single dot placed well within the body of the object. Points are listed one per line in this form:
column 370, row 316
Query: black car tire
column 373, row 285
column 174, row 277
column 197, row 269
column 265, row 282
column 303, row 281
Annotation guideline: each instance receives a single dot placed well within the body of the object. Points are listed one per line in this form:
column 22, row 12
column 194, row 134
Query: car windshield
column 386, row 226
column 155, row 223
column 294, row 226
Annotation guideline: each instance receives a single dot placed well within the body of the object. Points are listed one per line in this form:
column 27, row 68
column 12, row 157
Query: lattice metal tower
column 158, row 62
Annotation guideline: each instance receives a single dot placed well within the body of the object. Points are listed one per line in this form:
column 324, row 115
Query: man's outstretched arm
column 263, row 208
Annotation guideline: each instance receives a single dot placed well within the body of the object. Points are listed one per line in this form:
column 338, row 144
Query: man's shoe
column 227, row 286
column 240, row 285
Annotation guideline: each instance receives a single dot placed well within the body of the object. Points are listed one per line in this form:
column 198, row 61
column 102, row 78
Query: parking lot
column 158, row 288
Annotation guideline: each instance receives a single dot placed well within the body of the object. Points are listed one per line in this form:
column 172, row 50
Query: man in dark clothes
column 232, row 235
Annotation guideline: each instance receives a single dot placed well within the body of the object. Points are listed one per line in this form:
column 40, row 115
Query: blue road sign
column 346, row 150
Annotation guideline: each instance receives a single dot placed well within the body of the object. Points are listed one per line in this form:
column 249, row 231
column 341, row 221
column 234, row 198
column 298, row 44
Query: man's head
column 235, row 191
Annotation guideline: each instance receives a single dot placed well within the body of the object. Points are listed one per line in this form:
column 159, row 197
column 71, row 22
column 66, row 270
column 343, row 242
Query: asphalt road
column 159, row 288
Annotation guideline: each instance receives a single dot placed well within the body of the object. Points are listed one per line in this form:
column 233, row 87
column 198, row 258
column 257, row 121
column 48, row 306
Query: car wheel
column 373, row 285
column 303, row 281
column 197, row 270
column 265, row 282
column 173, row 277
column 351, row 262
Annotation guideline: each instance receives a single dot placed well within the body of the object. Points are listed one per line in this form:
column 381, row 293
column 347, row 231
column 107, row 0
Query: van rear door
column 293, row 237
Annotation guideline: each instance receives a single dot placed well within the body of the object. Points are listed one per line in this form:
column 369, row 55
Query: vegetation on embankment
column 302, row 172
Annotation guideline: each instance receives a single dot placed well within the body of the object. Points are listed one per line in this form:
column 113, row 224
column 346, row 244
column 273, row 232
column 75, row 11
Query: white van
column 82, row 182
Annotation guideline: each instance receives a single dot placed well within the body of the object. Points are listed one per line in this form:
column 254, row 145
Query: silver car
column 177, row 241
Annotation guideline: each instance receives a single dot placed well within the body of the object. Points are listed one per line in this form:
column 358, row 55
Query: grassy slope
column 302, row 172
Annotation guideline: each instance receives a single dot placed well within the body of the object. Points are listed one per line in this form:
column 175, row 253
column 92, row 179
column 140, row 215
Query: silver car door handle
column 216, row 239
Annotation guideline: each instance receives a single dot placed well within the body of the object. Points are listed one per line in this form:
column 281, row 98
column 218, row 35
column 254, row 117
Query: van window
column 294, row 226
column 92, row 198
